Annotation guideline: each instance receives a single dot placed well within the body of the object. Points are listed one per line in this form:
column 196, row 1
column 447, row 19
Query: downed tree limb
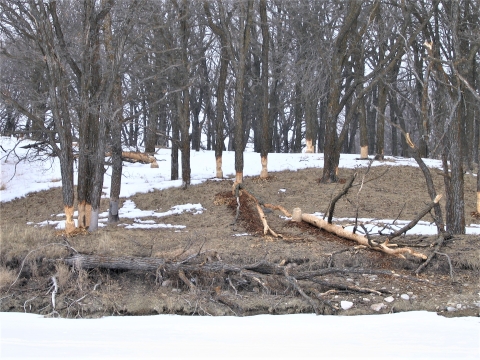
column 412, row 223
column 344, row 191
column 428, row 178
column 138, row 156
column 362, row 240
column 292, row 281
column 438, row 245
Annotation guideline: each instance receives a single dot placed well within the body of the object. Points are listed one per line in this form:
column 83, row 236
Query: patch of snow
column 345, row 305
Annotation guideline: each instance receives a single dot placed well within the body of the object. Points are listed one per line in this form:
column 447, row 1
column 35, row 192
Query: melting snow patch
column 346, row 304
column 144, row 221
column 154, row 226
column 129, row 210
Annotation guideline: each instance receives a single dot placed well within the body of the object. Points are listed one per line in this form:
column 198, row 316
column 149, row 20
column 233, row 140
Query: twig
column 231, row 284
column 54, row 292
column 344, row 191
column 449, row 263
column 297, row 287
column 371, row 243
column 438, row 245
column 412, row 223
column 347, row 287
column 25, row 303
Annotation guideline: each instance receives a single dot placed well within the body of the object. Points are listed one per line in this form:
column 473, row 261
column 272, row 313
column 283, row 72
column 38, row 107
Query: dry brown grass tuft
column 468, row 260
column 7, row 277
column 63, row 274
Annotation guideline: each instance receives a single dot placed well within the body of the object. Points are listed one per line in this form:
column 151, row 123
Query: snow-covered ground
column 405, row 335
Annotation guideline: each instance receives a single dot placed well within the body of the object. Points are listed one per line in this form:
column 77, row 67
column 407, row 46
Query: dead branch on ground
column 362, row 240
column 344, row 191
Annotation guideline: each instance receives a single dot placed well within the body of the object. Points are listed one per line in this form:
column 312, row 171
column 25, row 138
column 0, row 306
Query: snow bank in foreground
column 402, row 335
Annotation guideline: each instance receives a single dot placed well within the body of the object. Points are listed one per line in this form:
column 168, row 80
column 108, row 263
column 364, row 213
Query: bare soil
column 30, row 255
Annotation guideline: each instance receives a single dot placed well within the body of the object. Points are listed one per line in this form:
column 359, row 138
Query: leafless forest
column 84, row 78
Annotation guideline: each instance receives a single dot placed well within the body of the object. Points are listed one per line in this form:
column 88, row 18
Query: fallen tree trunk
column 362, row 240
column 196, row 264
column 83, row 261
column 138, row 157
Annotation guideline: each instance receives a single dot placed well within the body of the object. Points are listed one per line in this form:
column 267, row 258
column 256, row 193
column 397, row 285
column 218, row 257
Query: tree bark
column 222, row 80
column 239, row 89
column 266, row 119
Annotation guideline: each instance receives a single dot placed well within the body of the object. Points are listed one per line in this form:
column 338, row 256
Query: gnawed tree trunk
column 222, row 80
column 91, row 127
column 310, row 123
column 266, row 135
column 240, row 89
column 115, row 125
column 43, row 30
column 183, row 98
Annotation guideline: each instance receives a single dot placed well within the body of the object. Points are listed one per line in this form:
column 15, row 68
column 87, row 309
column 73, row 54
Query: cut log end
column 297, row 215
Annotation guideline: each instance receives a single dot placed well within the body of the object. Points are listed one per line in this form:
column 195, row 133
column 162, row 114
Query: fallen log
column 83, row 261
column 260, row 268
column 362, row 240
column 138, row 156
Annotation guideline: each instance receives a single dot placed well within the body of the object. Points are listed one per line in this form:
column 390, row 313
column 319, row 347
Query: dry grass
column 20, row 241
column 469, row 260
column 7, row 277
column 63, row 274
column 3, row 186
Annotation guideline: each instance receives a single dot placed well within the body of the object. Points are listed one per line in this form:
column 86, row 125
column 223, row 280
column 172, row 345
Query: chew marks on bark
column 69, row 223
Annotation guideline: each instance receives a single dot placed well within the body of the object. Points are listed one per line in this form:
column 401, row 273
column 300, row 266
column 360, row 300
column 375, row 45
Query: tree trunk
column 334, row 104
column 185, row 101
column 115, row 126
column 222, row 81
column 266, row 119
column 239, row 91
column 382, row 105
column 296, row 143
